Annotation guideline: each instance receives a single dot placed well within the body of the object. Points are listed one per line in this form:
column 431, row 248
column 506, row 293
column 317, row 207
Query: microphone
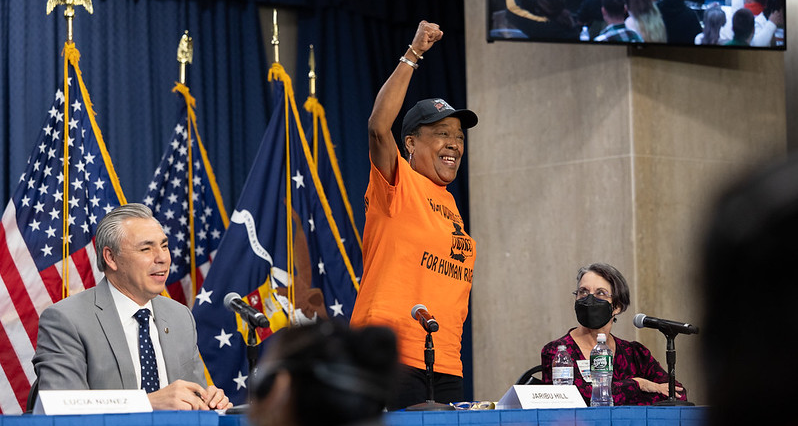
column 255, row 318
column 665, row 326
column 422, row 315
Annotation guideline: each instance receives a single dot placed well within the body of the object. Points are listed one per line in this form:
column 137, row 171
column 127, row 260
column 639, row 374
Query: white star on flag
column 338, row 309
column 241, row 381
column 224, row 338
column 299, row 179
column 204, row 296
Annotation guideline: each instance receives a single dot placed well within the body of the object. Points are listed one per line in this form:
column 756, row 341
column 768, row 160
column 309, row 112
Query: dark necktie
column 149, row 367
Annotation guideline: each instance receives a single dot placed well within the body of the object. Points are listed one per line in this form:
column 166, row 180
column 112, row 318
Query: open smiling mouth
column 446, row 159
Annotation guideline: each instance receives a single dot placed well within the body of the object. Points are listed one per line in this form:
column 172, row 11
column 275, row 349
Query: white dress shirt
column 126, row 308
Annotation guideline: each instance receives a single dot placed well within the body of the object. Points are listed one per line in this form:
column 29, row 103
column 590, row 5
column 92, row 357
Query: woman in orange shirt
column 414, row 248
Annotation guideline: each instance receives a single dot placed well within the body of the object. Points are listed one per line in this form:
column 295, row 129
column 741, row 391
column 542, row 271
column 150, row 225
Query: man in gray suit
column 92, row 340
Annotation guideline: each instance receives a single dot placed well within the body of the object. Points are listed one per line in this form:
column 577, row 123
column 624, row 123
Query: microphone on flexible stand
column 252, row 316
column 670, row 329
column 665, row 326
column 254, row 319
column 430, row 325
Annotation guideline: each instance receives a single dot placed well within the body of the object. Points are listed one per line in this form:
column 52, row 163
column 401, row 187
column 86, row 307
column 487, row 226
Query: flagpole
column 69, row 15
column 288, row 207
column 185, row 55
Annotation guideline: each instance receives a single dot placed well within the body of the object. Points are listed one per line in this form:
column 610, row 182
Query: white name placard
column 541, row 396
column 53, row 402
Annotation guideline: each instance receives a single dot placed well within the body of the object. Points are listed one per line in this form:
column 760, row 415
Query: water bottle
column 585, row 34
column 601, row 373
column 562, row 370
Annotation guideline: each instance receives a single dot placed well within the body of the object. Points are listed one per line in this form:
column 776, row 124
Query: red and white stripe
column 24, row 293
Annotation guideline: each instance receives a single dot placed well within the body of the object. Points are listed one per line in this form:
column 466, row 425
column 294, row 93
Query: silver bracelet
column 408, row 62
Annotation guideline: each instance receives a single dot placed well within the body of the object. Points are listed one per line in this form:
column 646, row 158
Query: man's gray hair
column 110, row 232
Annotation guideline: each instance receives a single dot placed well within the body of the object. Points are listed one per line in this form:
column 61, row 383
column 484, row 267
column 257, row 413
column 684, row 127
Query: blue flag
column 291, row 280
column 168, row 196
column 332, row 181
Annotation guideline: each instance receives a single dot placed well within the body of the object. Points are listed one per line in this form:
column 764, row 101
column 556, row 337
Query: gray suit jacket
column 81, row 344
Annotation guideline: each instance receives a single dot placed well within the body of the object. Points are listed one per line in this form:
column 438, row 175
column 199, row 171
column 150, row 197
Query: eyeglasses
column 599, row 294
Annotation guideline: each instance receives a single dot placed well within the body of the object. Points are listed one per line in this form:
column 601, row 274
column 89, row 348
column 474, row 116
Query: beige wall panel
column 687, row 148
column 708, row 104
column 531, row 242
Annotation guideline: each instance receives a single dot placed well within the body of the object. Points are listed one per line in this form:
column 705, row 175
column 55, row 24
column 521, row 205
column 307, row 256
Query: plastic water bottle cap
column 601, row 338
column 561, row 348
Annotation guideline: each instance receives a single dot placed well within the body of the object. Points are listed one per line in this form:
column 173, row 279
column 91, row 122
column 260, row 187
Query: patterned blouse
column 631, row 359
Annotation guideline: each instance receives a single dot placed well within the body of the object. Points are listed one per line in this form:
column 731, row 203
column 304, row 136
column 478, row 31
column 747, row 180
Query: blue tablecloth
column 599, row 416
column 604, row 416
column 156, row 418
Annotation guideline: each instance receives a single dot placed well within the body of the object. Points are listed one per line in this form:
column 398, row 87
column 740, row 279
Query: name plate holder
column 55, row 402
column 541, row 396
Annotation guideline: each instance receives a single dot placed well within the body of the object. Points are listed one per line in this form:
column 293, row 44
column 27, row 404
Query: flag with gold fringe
column 69, row 184
column 185, row 198
column 282, row 251
column 333, row 183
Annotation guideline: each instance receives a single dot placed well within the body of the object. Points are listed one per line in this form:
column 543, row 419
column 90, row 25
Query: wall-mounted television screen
column 736, row 24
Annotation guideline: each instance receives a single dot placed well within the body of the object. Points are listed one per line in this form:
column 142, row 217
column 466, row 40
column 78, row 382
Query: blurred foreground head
column 750, row 253
column 324, row 374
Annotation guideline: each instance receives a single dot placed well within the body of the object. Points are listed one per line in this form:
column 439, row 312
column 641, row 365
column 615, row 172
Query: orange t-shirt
column 415, row 252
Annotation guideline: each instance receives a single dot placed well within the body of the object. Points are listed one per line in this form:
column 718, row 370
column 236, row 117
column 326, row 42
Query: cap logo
column 441, row 105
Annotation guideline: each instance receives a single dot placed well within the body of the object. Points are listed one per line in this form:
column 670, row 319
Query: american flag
column 254, row 258
column 31, row 235
column 168, row 196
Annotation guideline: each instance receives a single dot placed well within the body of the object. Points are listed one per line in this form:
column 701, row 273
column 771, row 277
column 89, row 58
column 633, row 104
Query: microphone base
column 674, row 403
column 430, row 406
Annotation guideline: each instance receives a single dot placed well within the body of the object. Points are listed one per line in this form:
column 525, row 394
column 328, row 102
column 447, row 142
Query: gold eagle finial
column 51, row 4
column 69, row 12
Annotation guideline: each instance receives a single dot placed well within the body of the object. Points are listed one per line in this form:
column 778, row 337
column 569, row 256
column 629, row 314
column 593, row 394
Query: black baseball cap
column 432, row 110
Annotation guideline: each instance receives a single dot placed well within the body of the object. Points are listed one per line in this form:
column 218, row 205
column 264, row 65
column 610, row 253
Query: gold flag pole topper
column 312, row 73
column 69, row 14
column 185, row 54
column 312, row 95
column 275, row 38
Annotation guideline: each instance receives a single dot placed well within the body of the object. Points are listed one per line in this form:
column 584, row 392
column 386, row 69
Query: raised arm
column 382, row 145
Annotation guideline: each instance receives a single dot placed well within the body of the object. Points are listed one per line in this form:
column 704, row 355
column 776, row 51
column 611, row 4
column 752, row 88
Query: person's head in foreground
column 750, row 253
column 324, row 374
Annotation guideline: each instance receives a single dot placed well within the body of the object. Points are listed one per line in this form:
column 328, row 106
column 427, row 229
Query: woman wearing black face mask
column 638, row 379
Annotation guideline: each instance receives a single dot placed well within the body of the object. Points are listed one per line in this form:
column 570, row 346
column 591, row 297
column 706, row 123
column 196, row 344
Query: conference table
column 595, row 416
